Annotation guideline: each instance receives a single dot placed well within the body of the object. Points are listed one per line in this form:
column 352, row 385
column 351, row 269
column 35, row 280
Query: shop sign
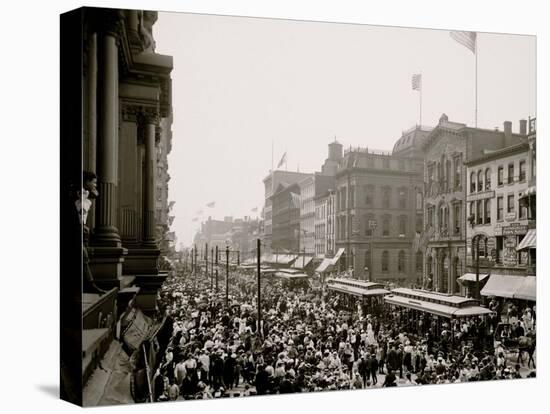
column 514, row 229
column 481, row 196
column 510, row 216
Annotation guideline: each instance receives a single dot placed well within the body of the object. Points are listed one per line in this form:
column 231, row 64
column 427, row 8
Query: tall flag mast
column 469, row 40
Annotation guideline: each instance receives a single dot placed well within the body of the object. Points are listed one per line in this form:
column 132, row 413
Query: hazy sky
column 241, row 83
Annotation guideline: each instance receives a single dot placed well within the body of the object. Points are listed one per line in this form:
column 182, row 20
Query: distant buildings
column 238, row 234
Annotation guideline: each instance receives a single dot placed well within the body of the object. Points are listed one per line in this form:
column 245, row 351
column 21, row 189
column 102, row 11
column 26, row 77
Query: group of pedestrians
column 304, row 342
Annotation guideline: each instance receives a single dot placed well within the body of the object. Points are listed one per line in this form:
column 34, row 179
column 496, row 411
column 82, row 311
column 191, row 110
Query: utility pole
column 206, row 260
column 258, row 244
column 211, row 267
column 217, row 256
column 226, row 276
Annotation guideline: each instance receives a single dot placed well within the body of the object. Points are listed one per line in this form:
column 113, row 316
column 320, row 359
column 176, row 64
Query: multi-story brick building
column 324, row 225
column 310, row 188
column 271, row 183
column 286, row 218
column 447, row 148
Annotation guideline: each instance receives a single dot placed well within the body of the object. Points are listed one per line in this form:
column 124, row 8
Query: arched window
column 401, row 261
column 385, row 261
column 472, row 182
column 479, row 180
column 419, row 262
column 386, row 226
column 488, row 179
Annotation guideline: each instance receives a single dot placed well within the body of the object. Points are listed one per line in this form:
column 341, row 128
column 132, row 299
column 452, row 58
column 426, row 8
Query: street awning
column 503, row 286
column 529, row 241
column 282, row 259
column 301, row 262
column 324, row 266
column 528, row 289
column 337, row 256
column 436, row 308
column 471, row 277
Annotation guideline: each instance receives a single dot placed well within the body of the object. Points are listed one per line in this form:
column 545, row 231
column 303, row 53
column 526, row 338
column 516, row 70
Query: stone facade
column 446, row 150
column 376, row 214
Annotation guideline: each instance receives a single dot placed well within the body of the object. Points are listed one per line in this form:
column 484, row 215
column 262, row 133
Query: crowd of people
column 307, row 342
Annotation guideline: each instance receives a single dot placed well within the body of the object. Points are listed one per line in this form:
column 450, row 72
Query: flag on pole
column 467, row 39
column 211, row 204
column 255, row 209
column 283, row 160
column 417, row 82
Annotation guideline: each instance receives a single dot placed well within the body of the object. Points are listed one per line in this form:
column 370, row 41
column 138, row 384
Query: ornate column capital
column 110, row 22
column 140, row 114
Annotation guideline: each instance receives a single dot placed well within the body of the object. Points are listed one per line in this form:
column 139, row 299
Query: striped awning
column 529, row 241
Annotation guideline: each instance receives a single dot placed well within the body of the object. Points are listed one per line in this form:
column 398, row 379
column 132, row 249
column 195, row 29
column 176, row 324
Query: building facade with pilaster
column 127, row 110
column 444, row 241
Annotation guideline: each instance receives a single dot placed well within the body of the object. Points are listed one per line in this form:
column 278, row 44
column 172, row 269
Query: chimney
column 523, row 127
column 507, row 133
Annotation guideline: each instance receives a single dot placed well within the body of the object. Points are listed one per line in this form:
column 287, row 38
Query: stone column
column 91, row 119
column 107, row 253
column 107, row 142
column 150, row 122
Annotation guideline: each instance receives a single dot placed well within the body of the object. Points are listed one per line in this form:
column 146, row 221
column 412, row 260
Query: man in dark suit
column 373, row 368
column 363, row 368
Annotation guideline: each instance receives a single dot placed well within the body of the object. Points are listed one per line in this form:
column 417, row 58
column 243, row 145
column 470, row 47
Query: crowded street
column 308, row 342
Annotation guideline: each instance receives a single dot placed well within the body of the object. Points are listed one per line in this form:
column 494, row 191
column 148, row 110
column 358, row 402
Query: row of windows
column 447, row 172
column 369, row 195
column 369, row 224
column 444, row 218
column 480, row 210
column 481, row 180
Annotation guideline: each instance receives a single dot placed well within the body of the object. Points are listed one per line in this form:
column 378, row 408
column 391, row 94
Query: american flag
column 467, row 39
column 417, row 82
